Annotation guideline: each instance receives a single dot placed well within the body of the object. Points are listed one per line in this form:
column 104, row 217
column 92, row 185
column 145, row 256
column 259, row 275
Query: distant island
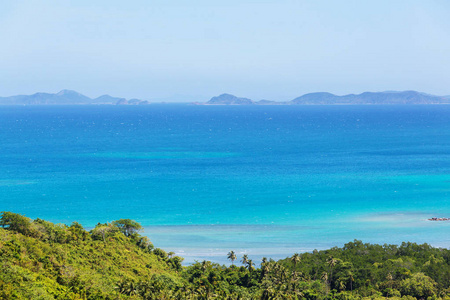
column 66, row 97
column 69, row 97
column 389, row 97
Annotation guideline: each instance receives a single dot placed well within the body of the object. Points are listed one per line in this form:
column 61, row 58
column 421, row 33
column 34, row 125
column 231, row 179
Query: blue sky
column 193, row 50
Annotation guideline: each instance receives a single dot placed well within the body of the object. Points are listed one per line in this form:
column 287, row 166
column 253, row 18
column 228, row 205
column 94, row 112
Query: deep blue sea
column 262, row 180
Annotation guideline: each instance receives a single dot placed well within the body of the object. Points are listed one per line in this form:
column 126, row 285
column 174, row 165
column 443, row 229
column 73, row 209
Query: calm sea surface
column 262, row 180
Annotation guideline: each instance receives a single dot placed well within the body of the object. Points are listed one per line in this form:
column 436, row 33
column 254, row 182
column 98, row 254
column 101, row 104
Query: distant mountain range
column 68, row 97
column 65, row 97
column 390, row 97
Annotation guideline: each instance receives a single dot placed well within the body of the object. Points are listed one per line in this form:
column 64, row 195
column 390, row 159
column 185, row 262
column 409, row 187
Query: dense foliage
column 41, row 260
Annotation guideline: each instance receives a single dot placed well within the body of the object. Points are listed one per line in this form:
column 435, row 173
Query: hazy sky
column 275, row 50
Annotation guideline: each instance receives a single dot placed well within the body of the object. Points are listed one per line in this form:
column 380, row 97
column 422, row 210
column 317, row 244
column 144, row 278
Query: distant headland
column 69, row 97
column 379, row 98
column 66, row 97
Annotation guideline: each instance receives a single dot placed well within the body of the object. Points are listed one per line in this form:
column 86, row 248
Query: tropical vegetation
column 42, row 260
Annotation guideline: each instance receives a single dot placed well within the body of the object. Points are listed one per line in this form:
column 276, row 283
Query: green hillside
column 41, row 260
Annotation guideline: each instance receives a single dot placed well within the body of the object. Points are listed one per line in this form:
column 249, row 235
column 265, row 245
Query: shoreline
column 213, row 242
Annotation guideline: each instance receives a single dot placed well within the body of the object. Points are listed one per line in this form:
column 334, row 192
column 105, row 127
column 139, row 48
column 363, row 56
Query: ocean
column 261, row 180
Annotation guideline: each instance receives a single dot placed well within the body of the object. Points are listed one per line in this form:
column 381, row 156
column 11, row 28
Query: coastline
column 213, row 242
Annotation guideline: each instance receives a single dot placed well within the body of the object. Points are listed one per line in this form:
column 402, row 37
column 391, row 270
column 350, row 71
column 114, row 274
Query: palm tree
column 342, row 285
column 350, row 276
column 296, row 259
column 331, row 262
column 295, row 277
column 250, row 264
column 324, row 277
column 131, row 288
column 204, row 265
column 244, row 259
column 263, row 260
column 265, row 268
column 121, row 286
column 389, row 277
column 232, row 257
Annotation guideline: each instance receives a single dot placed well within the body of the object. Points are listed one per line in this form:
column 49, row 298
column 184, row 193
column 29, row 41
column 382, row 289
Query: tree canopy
column 42, row 260
column 127, row 226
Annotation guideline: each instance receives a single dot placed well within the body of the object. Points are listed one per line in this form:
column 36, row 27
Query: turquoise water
column 262, row 180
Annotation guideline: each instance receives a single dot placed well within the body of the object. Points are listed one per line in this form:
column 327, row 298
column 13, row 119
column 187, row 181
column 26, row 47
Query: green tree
column 101, row 231
column 231, row 256
column 15, row 222
column 160, row 252
column 244, row 259
column 144, row 243
column 419, row 286
column 331, row 261
column 324, row 277
column 127, row 227
column 78, row 232
column 176, row 262
column 296, row 259
column 250, row 264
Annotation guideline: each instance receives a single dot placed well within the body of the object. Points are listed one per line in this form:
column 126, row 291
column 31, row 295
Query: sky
column 176, row 50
